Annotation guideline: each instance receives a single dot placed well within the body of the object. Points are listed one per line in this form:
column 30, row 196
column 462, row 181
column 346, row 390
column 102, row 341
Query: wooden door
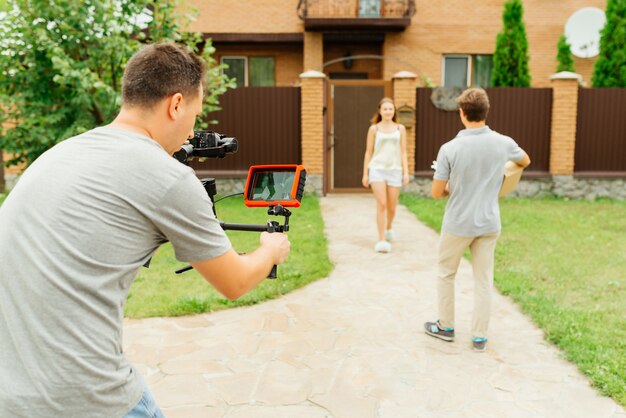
column 353, row 103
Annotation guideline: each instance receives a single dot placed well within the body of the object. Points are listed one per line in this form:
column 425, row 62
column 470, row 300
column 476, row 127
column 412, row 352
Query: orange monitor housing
column 275, row 184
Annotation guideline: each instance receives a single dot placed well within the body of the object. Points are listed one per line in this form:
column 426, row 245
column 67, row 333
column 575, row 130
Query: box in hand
column 512, row 175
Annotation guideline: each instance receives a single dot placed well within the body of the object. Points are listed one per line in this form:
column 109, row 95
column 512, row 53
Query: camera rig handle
column 270, row 226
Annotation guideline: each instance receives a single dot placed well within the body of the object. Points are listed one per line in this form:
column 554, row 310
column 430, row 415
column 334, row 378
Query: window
column 456, row 71
column 250, row 71
column 466, row 70
column 369, row 8
column 483, row 66
column 261, row 71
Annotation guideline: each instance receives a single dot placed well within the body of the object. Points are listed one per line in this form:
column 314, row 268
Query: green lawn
column 158, row 291
column 2, row 197
column 563, row 262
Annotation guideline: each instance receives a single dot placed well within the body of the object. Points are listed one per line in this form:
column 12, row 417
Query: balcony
column 370, row 15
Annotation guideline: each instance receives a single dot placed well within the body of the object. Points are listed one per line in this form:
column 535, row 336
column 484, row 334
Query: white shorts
column 393, row 177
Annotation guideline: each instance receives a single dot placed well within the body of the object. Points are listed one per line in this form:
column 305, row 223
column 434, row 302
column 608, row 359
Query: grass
column 158, row 291
column 2, row 197
column 563, row 262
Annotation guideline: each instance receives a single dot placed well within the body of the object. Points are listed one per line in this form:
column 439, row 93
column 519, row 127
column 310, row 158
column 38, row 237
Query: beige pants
column 451, row 249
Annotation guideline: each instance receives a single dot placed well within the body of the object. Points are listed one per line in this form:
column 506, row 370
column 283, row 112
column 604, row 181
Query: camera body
column 207, row 144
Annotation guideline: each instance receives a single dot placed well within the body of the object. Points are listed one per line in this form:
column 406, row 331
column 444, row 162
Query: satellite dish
column 582, row 31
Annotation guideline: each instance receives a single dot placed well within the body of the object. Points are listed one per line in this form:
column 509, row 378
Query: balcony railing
column 356, row 14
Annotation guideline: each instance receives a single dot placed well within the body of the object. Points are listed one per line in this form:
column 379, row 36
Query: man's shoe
column 382, row 247
column 480, row 344
column 434, row 329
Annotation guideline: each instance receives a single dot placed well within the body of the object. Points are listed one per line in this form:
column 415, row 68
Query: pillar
column 563, row 131
column 404, row 94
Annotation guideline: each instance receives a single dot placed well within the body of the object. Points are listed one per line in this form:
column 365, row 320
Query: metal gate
column 351, row 107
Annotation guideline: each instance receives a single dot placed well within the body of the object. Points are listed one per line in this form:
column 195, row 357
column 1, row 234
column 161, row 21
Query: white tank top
column 387, row 154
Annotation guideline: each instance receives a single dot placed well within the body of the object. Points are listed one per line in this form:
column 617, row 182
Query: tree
column 610, row 67
column 565, row 61
column 61, row 64
column 510, row 59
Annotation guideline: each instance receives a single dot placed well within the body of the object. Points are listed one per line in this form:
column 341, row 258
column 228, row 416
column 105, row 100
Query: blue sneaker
column 480, row 344
column 435, row 329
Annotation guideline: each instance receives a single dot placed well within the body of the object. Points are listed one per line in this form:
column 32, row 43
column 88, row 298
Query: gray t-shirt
column 80, row 223
column 473, row 163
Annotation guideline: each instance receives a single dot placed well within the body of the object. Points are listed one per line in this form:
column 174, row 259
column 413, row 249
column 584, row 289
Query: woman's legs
column 393, row 193
column 380, row 193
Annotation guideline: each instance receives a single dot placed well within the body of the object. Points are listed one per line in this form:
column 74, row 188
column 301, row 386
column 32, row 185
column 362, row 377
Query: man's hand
column 278, row 244
column 524, row 162
column 233, row 275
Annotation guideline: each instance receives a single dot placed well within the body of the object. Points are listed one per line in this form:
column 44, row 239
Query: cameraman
column 83, row 219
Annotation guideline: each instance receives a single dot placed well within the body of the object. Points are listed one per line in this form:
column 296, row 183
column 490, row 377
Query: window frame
column 273, row 58
column 245, row 66
column 246, row 59
column 470, row 82
column 468, row 58
column 474, row 70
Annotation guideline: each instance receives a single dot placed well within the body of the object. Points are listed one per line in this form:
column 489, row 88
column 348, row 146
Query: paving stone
column 195, row 412
column 182, row 390
column 289, row 411
column 352, row 345
column 283, row 384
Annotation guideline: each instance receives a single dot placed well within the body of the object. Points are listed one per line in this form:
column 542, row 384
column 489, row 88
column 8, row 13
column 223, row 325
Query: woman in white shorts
column 385, row 168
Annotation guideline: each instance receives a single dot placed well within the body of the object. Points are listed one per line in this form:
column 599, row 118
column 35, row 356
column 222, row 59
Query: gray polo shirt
column 82, row 220
column 473, row 163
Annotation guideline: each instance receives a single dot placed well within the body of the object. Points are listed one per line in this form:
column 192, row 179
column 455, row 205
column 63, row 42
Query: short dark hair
column 161, row 70
column 475, row 104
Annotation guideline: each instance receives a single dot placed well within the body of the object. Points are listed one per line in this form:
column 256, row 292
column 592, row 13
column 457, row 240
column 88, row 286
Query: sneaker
column 434, row 329
column 480, row 344
column 382, row 247
column 390, row 235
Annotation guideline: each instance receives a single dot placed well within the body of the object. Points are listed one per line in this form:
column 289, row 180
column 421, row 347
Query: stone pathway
column 352, row 345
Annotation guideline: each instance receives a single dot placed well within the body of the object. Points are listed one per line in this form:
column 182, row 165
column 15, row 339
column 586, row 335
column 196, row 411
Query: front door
column 352, row 105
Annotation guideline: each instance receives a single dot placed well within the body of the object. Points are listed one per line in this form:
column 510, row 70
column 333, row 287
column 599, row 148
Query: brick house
column 439, row 41
column 388, row 47
column 341, row 56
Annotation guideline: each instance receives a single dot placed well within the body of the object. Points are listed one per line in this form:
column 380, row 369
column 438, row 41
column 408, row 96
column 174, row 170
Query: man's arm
column 524, row 162
column 439, row 189
column 234, row 275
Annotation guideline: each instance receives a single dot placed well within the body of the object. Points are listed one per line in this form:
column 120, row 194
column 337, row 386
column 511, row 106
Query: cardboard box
column 512, row 175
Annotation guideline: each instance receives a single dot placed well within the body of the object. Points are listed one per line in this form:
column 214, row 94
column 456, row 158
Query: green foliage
column 564, row 58
column 561, row 261
column 62, row 63
column 610, row 67
column 510, row 59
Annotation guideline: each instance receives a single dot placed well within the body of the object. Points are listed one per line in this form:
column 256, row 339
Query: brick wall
column 313, row 51
column 246, row 16
column 404, row 94
column 462, row 27
column 288, row 58
column 437, row 28
column 563, row 129
column 312, row 122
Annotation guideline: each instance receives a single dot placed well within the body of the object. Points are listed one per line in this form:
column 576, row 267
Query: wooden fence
column 601, row 132
column 266, row 123
column 521, row 113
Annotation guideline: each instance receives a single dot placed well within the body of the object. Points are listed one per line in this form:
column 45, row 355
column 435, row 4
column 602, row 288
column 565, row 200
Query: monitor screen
column 272, row 185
